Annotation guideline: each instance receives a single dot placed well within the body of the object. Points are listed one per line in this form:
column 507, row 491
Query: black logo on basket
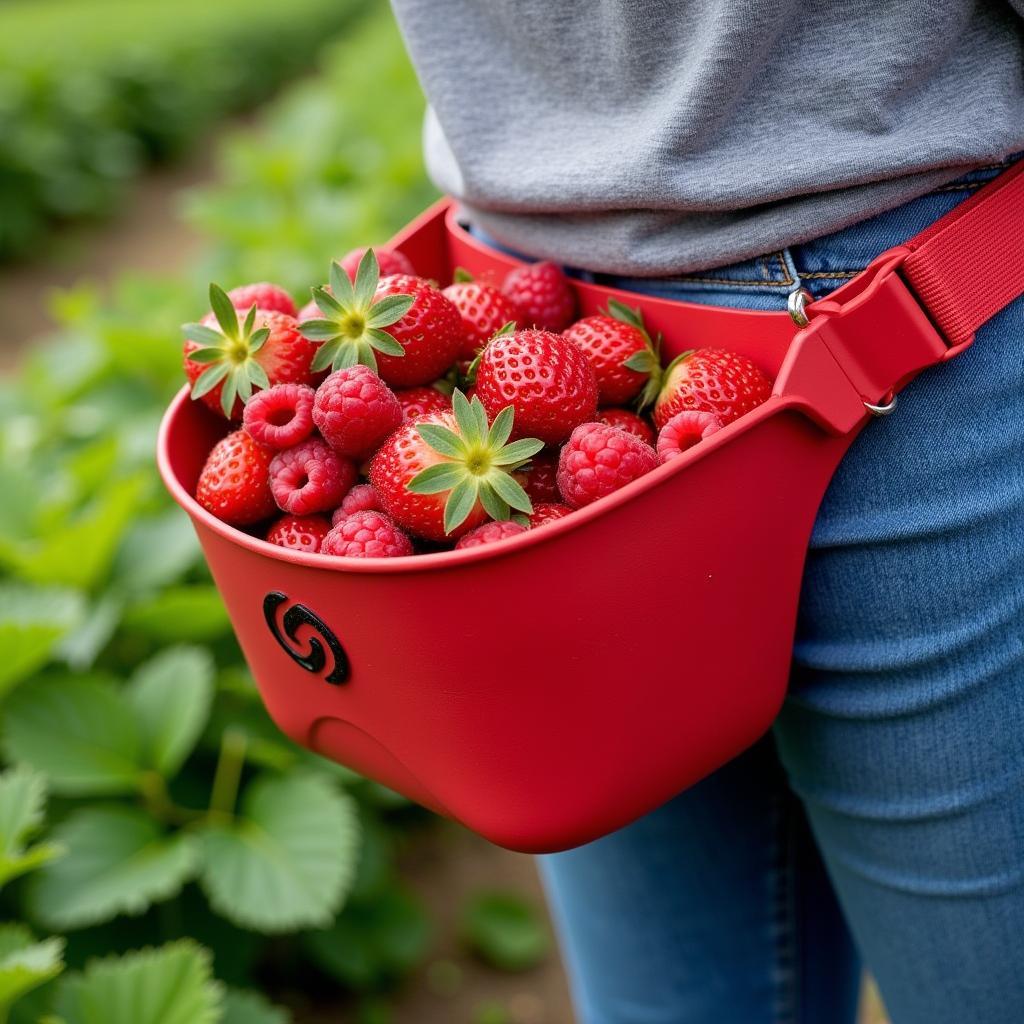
column 315, row 660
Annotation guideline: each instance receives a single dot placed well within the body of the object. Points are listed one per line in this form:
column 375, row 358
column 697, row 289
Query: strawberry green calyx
column 229, row 351
column 351, row 329
column 478, row 465
column 645, row 361
column 507, row 328
column 461, row 276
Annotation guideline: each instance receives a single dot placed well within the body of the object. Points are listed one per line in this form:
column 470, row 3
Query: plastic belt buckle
column 859, row 347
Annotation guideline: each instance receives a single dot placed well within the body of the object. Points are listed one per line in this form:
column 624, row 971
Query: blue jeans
column 883, row 818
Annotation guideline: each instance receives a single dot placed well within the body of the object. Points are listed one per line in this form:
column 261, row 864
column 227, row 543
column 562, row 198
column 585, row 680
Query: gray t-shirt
column 654, row 137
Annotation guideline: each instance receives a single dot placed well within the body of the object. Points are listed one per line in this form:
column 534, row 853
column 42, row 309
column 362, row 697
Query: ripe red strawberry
column 684, row 430
column 300, row 533
column 391, row 261
column 619, row 348
column 442, row 476
column 419, row 402
column 483, row 309
column 311, row 477
column 628, row 421
column 538, row 479
column 235, row 483
column 599, row 459
column 711, row 380
column 366, row 535
column 262, row 295
column 548, row 512
column 362, row 498
column 430, row 333
column 355, row 410
column 490, row 532
column 310, row 311
column 281, row 416
column 543, row 294
column 227, row 359
column 546, row 379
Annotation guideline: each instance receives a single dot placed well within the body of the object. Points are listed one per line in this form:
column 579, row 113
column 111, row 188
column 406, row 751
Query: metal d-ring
column 884, row 409
column 796, row 303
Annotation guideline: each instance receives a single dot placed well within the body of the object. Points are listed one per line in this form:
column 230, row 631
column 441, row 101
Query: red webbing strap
column 970, row 264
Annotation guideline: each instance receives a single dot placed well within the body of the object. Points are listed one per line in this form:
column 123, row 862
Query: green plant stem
column 233, row 744
column 159, row 805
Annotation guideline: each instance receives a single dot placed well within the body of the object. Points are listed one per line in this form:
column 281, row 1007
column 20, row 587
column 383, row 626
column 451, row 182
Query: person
column 729, row 153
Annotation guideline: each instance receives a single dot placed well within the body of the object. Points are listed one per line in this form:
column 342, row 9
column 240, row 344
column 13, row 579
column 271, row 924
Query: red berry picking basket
column 511, row 687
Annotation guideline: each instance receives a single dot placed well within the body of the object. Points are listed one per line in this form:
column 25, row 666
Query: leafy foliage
column 504, row 930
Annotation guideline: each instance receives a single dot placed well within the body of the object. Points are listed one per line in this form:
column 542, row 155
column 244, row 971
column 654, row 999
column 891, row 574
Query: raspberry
column 366, row 535
column 264, row 296
column 355, row 410
column 539, row 480
column 598, row 459
column 234, row 483
column 311, row 477
column 362, row 498
column 684, row 430
column 628, row 421
column 542, row 293
column 281, row 416
column 548, row 512
column 419, row 402
column 390, row 261
column 489, row 533
column 300, row 533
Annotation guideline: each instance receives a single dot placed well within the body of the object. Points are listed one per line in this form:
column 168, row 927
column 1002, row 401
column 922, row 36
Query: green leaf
column 319, row 330
column 509, row 490
column 383, row 342
column 442, row 440
column 210, row 378
column 438, row 478
column 206, row 355
column 78, row 731
column 189, row 613
column 170, row 985
column 224, row 311
column 367, row 275
column 501, row 428
column 119, row 861
column 32, row 621
column 22, row 803
column 258, row 339
column 620, row 311
column 243, row 1006
column 518, row 451
column 156, row 551
column 327, row 354
column 171, row 696
column 461, row 276
column 644, row 361
column 288, row 860
column 203, row 335
column 493, row 504
column 506, row 931
column 389, row 310
column 341, row 287
column 25, row 964
column 460, row 503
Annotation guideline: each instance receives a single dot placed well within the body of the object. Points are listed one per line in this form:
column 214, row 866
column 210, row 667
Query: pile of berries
column 390, row 416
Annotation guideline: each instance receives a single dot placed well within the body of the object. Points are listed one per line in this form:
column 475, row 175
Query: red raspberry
column 366, row 535
column 311, row 477
column 628, row 421
column 483, row 309
column 234, row 484
column 355, row 410
column 362, row 498
column 548, row 512
column 598, row 459
column 489, row 533
column 281, row 416
column 300, row 533
column 264, row 296
column 419, row 402
column 543, row 295
column 539, row 480
column 390, row 261
column 684, row 430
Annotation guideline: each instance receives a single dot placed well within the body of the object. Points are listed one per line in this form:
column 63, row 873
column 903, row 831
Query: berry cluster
column 390, row 416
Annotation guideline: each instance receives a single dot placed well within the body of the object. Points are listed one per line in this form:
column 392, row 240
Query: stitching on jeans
column 829, row 273
column 787, row 277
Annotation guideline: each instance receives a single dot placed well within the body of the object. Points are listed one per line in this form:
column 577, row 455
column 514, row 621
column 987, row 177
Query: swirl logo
column 315, row 659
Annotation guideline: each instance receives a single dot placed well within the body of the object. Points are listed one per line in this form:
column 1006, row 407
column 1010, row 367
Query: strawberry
column 619, row 348
column 489, row 533
column 448, row 473
column 262, row 295
column 310, row 311
column 548, row 512
column 543, row 294
column 598, row 459
column 538, row 478
column 483, row 309
column 227, row 359
column 684, row 430
column 392, row 261
column 430, row 333
column 546, row 379
column 362, row 498
column 355, row 410
column 367, row 534
column 234, row 484
column 418, row 402
column 300, row 533
column 628, row 421
column 281, row 416
column 711, row 380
